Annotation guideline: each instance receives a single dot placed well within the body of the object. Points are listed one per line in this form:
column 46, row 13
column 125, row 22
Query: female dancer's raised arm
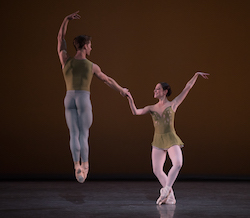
column 179, row 99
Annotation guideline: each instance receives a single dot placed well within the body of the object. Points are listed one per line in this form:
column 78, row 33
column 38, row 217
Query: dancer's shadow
column 73, row 198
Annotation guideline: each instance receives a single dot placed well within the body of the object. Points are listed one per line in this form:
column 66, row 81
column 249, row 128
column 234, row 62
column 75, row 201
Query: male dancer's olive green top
column 165, row 135
column 78, row 74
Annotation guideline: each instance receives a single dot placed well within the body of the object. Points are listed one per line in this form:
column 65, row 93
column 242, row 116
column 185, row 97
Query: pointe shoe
column 170, row 199
column 164, row 194
column 85, row 171
column 79, row 175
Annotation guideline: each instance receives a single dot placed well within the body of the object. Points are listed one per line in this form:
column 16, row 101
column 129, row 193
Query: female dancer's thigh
column 158, row 158
column 175, row 154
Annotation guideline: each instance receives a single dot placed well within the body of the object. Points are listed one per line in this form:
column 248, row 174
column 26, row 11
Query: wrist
column 68, row 18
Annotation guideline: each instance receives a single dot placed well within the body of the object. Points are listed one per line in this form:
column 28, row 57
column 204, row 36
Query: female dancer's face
column 158, row 91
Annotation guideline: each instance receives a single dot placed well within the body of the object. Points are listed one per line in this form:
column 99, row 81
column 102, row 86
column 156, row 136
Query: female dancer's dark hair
column 166, row 86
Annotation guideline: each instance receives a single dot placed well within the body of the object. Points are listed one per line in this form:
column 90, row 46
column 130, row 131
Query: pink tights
column 158, row 161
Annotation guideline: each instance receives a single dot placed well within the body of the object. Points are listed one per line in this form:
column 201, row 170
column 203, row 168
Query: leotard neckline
column 163, row 111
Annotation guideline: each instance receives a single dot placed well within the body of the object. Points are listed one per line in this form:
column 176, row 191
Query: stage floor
column 126, row 199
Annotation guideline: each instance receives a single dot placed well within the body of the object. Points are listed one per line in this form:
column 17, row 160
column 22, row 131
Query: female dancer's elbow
column 134, row 113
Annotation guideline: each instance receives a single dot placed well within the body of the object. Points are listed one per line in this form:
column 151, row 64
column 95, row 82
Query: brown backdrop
column 138, row 43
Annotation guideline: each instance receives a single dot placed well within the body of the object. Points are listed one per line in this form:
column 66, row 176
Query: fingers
column 204, row 75
column 124, row 92
column 128, row 94
column 75, row 16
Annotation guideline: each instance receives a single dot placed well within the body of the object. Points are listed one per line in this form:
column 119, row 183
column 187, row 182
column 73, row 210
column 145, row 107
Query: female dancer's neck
column 163, row 100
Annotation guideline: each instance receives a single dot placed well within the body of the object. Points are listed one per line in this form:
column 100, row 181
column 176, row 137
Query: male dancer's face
column 88, row 48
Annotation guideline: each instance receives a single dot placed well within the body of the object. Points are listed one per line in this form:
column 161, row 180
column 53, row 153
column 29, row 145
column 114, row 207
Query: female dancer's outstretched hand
column 129, row 96
column 204, row 75
column 74, row 16
column 124, row 92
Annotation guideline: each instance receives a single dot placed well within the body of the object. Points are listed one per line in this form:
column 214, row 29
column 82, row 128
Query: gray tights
column 79, row 117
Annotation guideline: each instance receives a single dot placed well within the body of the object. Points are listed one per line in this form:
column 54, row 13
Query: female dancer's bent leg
column 158, row 160
column 175, row 154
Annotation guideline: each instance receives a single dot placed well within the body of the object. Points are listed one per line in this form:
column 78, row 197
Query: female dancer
column 78, row 72
column 165, row 138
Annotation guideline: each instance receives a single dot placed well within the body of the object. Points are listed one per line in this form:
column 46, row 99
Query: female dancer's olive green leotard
column 165, row 135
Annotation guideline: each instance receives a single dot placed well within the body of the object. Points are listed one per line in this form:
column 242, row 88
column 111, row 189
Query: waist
column 78, row 83
column 78, row 91
column 164, row 130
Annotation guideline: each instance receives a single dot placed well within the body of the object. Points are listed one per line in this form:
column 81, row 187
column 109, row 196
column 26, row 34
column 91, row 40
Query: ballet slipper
column 170, row 199
column 164, row 194
column 79, row 175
